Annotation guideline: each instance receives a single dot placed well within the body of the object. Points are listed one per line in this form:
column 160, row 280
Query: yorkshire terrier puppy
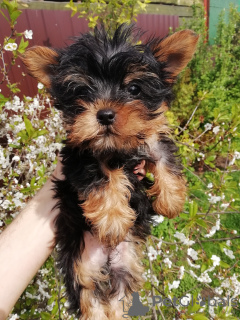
column 112, row 92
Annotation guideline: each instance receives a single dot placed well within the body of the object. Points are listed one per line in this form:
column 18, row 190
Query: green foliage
column 111, row 13
column 12, row 8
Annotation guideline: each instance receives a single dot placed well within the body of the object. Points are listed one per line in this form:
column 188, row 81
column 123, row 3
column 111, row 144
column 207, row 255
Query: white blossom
column 236, row 156
column 211, row 311
column 214, row 199
column 224, row 205
column 28, row 34
column 192, row 253
column 183, row 238
column 6, row 204
column 40, row 86
column 14, row 317
column 196, row 266
column 184, row 301
column 174, row 285
column 204, row 277
column 181, row 272
column 216, row 129
column 10, row 47
column 228, row 243
column 152, row 253
column 16, row 158
column 210, row 185
column 157, row 219
column 229, row 253
column 216, row 260
column 213, row 229
column 208, row 126
column 168, row 262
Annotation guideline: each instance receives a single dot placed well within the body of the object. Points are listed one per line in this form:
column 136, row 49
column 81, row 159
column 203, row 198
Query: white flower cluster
column 236, row 156
column 168, row 262
column 214, row 199
column 19, row 159
column 152, row 253
column 193, row 265
column 216, row 260
column 174, row 285
column 232, row 285
column 192, row 253
column 214, row 228
column 229, row 253
column 183, row 238
column 14, row 317
column 157, row 219
column 11, row 46
column 181, row 272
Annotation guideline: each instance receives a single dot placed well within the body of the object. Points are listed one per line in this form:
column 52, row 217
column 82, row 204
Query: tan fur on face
column 132, row 119
column 169, row 190
column 107, row 208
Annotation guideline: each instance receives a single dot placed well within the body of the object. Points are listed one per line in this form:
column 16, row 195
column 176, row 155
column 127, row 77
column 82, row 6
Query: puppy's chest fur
column 109, row 195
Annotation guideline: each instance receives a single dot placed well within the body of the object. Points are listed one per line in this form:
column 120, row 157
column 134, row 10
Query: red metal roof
column 54, row 28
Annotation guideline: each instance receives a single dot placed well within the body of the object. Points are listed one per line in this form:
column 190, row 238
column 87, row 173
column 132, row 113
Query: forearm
column 24, row 246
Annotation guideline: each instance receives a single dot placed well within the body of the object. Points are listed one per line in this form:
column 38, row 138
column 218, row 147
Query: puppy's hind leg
column 126, row 275
column 89, row 272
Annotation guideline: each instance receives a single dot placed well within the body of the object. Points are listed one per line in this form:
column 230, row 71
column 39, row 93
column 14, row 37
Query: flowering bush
column 191, row 260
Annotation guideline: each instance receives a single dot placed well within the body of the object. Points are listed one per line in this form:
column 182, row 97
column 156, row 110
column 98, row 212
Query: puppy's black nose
column 106, row 116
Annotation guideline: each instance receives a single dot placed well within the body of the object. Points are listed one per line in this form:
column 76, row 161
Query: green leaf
column 12, row 8
column 22, row 46
column 199, row 317
column 203, row 268
column 3, row 100
column 32, row 182
column 184, row 216
column 150, row 176
column 29, row 127
column 4, row 16
column 14, row 15
column 224, row 264
column 39, row 133
column 193, row 208
column 45, row 316
column 194, row 307
column 202, row 223
column 23, row 135
column 55, row 309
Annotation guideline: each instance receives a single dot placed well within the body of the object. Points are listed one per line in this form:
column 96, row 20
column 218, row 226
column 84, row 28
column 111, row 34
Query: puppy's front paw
column 169, row 191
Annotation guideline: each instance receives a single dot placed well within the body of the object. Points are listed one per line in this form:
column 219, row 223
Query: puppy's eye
column 134, row 90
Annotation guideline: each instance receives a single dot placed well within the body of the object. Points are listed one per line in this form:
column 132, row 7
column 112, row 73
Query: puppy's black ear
column 175, row 51
column 39, row 62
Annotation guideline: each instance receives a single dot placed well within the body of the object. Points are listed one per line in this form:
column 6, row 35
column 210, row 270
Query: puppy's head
column 112, row 91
